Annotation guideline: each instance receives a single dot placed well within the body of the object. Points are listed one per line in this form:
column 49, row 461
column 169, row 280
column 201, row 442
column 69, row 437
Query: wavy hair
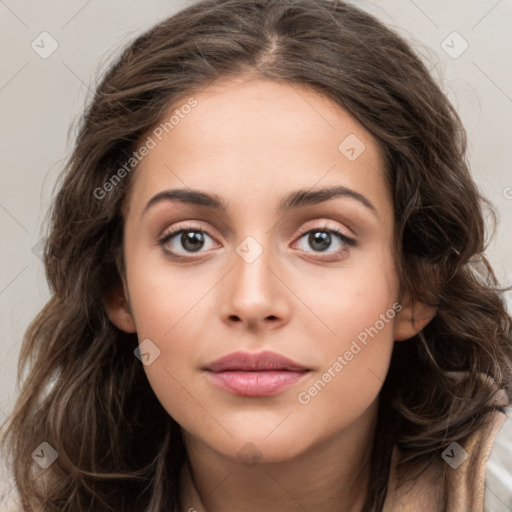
column 86, row 394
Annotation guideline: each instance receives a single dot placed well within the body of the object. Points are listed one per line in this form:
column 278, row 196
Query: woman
column 269, row 287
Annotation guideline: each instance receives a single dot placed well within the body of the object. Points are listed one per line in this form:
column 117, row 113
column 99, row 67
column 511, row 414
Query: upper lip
column 262, row 361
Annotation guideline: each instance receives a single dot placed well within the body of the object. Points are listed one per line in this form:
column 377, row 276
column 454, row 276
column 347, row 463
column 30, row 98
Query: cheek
column 356, row 362
column 163, row 295
column 170, row 309
column 166, row 307
column 171, row 374
column 359, row 307
column 353, row 297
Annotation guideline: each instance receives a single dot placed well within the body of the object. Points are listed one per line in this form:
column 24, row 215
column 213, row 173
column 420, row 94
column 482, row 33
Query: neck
column 332, row 475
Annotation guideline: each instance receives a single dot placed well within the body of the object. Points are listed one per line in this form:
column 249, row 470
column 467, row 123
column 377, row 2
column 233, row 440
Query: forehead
column 256, row 140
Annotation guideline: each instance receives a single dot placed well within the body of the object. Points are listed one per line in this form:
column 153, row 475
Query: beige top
column 456, row 482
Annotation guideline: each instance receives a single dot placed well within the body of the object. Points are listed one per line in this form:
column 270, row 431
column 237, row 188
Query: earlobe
column 411, row 319
column 118, row 309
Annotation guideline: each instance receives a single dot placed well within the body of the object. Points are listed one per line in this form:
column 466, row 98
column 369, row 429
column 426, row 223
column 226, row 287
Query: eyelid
column 173, row 231
column 311, row 225
column 325, row 225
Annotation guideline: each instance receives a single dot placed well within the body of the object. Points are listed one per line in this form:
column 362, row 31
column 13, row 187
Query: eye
column 321, row 239
column 191, row 239
column 182, row 241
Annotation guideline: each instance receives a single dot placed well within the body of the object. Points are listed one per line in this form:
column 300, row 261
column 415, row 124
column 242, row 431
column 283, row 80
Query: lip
column 262, row 361
column 263, row 374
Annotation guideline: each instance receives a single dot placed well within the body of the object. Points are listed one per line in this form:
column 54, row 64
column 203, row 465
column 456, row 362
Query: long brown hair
column 85, row 393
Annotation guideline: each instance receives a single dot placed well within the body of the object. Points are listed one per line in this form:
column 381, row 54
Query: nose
column 254, row 295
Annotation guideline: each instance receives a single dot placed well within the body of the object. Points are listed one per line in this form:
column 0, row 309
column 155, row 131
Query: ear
column 118, row 308
column 412, row 318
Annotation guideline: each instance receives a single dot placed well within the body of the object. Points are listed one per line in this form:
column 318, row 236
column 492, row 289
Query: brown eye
column 323, row 239
column 191, row 240
column 185, row 240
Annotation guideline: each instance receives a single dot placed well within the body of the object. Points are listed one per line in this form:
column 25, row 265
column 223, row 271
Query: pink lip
column 263, row 374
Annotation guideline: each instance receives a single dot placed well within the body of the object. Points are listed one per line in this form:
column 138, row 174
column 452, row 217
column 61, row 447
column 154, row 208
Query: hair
column 87, row 395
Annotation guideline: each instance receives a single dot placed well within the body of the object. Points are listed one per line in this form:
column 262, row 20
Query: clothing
column 444, row 487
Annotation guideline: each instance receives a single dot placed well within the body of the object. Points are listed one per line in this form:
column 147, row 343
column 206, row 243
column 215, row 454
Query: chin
column 257, row 449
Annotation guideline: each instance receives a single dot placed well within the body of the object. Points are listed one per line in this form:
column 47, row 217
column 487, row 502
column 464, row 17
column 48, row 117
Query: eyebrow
column 297, row 199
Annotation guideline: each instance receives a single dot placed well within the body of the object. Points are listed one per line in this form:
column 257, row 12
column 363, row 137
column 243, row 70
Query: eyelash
column 348, row 242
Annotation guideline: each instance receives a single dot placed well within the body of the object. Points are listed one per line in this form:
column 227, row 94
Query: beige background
column 40, row 99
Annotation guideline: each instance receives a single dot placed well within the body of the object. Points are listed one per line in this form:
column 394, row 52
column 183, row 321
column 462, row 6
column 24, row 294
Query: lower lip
column 264, row 383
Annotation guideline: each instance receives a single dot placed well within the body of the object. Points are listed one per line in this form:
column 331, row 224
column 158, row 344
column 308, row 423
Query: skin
column 251, row 142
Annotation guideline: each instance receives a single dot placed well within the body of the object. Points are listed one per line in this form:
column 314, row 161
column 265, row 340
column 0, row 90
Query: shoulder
column 498, row 482
column 455, row 481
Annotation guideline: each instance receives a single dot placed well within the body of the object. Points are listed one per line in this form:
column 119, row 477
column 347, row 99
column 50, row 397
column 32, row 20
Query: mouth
column 263, row 374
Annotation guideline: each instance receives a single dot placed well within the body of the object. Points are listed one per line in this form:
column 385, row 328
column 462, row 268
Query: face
column 258, row 267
